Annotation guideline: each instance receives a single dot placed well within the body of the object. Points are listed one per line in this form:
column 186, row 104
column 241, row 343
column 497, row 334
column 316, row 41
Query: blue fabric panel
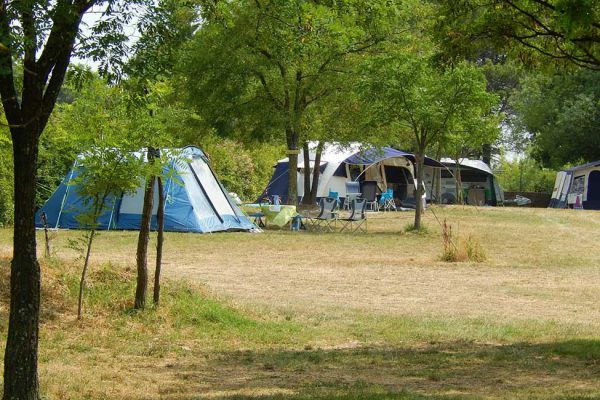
column 74, row 205
column 278, row 184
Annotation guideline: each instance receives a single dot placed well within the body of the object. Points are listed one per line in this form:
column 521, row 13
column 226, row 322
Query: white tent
column 582, row 181
column 477, row 179
column 339, row 164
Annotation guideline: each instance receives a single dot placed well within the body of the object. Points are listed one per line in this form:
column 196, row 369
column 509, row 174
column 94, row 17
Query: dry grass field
column 300, row 315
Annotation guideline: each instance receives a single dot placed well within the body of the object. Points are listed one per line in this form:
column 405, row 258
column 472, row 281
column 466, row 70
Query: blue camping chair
column 386, row 201
column 326, row 220
column 357, row 218
column 352, row 192
column 334, row 195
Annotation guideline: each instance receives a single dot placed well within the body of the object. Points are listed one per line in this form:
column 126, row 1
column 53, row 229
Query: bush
column 454, row 250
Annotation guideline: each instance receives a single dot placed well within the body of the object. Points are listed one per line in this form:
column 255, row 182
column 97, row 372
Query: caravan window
column 578, row 184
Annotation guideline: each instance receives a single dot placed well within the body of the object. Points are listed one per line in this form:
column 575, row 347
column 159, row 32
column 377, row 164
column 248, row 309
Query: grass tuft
column 410, row 228
column 455, row 250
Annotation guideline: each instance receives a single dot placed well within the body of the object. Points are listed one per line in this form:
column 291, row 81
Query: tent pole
column 62, row 204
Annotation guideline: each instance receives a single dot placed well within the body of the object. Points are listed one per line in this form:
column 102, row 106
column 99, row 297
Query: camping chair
column 334, row 195
column 369, row 193
column 325, row 221
column 357, row 218
column 352, row 192
column 386, row 201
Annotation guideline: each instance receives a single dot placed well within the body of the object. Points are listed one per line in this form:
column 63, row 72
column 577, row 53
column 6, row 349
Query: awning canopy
column 375, row 155
column 583, row 166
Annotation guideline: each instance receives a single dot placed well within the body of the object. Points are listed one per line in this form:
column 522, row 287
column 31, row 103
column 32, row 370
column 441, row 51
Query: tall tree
column 164, row 28
column 265, row 63
column 40, row 36
column 414, row 100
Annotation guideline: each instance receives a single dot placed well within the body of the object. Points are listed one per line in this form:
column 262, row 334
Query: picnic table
column 277, row 215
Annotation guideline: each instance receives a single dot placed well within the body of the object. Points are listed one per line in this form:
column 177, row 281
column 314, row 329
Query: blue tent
column 339, row 164
column 195, row 201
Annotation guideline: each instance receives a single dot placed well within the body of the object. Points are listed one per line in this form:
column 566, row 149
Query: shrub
column 454, row 250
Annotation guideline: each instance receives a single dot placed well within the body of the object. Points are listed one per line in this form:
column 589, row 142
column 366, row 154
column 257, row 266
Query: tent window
column 341, row 170
column 212, row 187
column 355, row 171
column 578, row 184
column 134, row 203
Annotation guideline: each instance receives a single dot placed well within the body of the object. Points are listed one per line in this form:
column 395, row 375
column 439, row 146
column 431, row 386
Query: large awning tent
column 479, row 185
column 195, row 200
column 389, row 167
column 580, row 183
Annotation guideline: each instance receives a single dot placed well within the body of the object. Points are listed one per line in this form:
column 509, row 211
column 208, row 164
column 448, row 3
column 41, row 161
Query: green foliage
column 242, row 170
column 562, row 112
column 6, row 178
column 416, row 101
column 105, row 171
column 255, row 69
column 560, row 31
column 524, row 175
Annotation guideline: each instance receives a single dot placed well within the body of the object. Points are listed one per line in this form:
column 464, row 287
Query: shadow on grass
column 564, row 370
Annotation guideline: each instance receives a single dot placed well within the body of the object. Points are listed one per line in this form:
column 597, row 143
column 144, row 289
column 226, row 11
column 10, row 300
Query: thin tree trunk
column 160, row 240
column 142, row 249
column 84, row 272
column 420, row 162
column 292, row 143
column 306, row 154
column 47, row 250
column 458, row 181
column 98, row 207
column 316, row 174
column 20, row 358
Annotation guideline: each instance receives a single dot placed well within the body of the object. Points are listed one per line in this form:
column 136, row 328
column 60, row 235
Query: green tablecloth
column 276, row 215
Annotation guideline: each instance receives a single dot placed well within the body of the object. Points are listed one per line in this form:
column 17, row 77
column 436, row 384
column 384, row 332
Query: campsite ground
column 284, row 314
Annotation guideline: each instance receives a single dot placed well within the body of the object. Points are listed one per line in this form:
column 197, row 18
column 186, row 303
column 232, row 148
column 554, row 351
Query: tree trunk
column 20, row 358
column 420, row 163
column 458, row 181
column 292, row 143
column 306, row 154
column 486, row 153
column 84, row 272
column 142, row 248
column 316, row 174
column 159, row 240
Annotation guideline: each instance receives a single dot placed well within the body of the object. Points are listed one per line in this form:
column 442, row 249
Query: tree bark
column 292, row 143
column 142, row 248
column 306, row 155
column 84, row 273
column 420, row 163
column 159, row 240
column 458, row 181
column 20, row 358
column 316, row 174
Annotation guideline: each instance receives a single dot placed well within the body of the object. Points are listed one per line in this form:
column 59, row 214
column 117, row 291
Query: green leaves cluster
column 562, row 112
